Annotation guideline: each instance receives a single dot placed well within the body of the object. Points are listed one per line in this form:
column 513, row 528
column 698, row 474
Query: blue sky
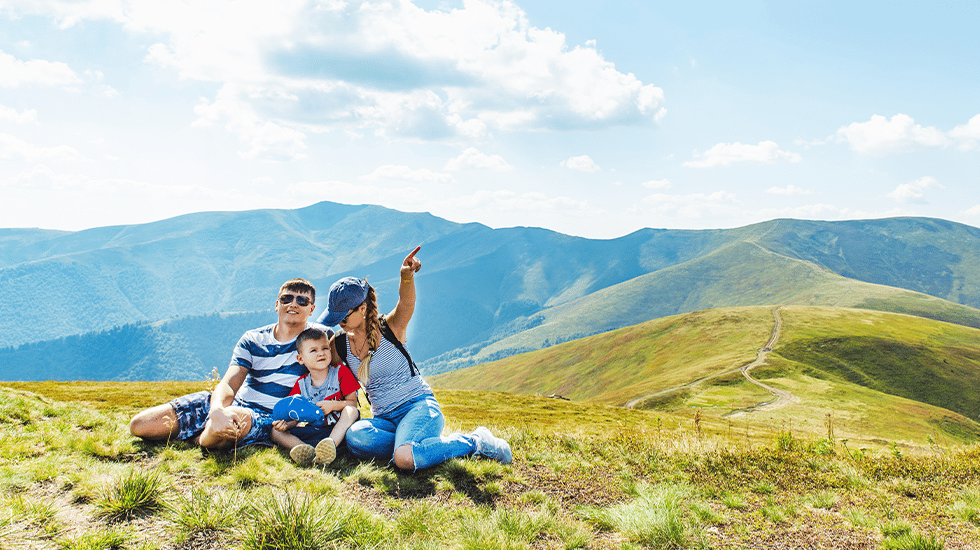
column 589, row 118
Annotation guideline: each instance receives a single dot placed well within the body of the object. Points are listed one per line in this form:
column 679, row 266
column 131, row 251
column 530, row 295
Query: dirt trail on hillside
column 781, row 398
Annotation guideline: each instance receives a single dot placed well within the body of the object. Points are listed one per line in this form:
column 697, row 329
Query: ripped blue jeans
column 417, row 422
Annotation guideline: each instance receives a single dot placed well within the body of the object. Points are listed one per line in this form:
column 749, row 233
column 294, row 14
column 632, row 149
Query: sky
column 593, row 119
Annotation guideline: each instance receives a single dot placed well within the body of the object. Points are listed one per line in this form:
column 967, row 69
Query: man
column 263, row 369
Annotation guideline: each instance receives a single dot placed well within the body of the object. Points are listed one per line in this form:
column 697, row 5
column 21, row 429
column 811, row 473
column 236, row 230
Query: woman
column 408, row 422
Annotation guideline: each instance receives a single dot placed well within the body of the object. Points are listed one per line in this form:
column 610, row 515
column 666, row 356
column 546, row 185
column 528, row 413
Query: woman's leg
column 372, row 438
column 418, row 440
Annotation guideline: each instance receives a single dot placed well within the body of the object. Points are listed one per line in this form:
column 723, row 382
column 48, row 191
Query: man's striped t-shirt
column 272, row 367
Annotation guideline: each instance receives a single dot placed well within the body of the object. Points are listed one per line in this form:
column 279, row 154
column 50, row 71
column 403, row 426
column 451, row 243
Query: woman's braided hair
column 372, row 325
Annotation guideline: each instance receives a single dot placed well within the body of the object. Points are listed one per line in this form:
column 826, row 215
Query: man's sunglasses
column 301, row 301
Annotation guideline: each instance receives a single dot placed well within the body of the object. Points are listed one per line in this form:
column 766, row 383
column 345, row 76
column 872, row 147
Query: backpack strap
column 340, row 343
column 390, row 336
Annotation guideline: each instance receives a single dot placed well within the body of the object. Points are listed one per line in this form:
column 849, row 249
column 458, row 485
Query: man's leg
column 226, row 433
column 181, row 419
column 157, row 423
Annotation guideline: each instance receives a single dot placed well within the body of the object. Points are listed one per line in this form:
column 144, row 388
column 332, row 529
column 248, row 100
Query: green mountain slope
column 931, row 256
column 484, row 293
column 741, row 274
column 883, row 374
column 911, row 357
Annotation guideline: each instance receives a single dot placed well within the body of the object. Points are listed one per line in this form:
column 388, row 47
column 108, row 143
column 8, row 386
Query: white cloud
column 582, row 163
column 691, row 206
column 15, row 148
column 509, row 201
column 815, row 211
column 657, row 184
column 402, row 198
column 789, row 191
column 15, row 73
column 392, row 172
column 968, row 134
column 915, row 191
column 975, row 211
column 487, row 204
column 117, row 201
column 6, row 113
column 726, row 154
column 881, row 136
column 384, row 66
column 472, row 159
column 265, row 139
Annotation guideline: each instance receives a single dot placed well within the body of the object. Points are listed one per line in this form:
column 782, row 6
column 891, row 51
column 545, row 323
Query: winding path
column 781, row 398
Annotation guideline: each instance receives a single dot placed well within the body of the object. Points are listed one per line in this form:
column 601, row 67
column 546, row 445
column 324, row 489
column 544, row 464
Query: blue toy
column 299, row 408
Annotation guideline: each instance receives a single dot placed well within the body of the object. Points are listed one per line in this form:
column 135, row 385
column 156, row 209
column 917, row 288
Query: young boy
column 333, row 388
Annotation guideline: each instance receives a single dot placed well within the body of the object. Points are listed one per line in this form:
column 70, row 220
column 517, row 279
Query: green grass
column 883, row 377
column 623, row 479
column 281, row 519
column 630, row 362
column 967, row 505
column 206, row 512
column 138, row 492
column 102, row 538
column 913, row 541
column 656, row 517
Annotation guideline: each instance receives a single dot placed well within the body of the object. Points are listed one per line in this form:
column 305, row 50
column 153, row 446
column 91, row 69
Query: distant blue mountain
column 478, row 285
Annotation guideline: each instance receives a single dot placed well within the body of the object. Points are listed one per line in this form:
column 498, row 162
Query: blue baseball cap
column 345, row 295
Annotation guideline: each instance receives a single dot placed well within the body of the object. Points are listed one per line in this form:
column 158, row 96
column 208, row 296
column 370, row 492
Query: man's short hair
column 299, row 285
column 312, row 333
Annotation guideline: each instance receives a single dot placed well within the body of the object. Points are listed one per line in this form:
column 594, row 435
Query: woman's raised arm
column 400, row 316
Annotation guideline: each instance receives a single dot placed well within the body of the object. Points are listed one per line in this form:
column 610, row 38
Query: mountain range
column 169, row 298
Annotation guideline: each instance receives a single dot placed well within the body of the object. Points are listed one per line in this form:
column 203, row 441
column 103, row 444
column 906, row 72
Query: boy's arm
column 284, row 425
column 330, row 405
column 351, row 399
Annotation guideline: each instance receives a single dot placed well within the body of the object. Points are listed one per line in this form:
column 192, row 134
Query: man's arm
column 224, row 393
column 221, row 422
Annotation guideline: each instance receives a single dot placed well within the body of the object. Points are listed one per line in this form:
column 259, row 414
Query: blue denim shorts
column 261, row 432
column 191, row 411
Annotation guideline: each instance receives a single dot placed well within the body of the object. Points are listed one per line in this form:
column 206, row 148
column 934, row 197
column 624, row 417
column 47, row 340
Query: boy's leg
column 298, row 450
column 285, row 440
column 326, row 450
column 348, row 416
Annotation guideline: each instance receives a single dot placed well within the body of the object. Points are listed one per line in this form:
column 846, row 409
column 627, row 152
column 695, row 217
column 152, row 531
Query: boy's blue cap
column 297, row 407
column 345, row 295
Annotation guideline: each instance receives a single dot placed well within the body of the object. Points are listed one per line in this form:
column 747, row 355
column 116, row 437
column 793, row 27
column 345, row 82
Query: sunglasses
column 349, row 313
column 301, row 301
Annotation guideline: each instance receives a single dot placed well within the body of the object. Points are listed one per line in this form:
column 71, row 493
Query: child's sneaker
column 326, row 452
column 491, row 446
column 302, row 454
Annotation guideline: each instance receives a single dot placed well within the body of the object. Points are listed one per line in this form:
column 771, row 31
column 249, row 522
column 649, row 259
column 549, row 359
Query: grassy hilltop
column 880, row 375
column 584, row 476
column 871, row 451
